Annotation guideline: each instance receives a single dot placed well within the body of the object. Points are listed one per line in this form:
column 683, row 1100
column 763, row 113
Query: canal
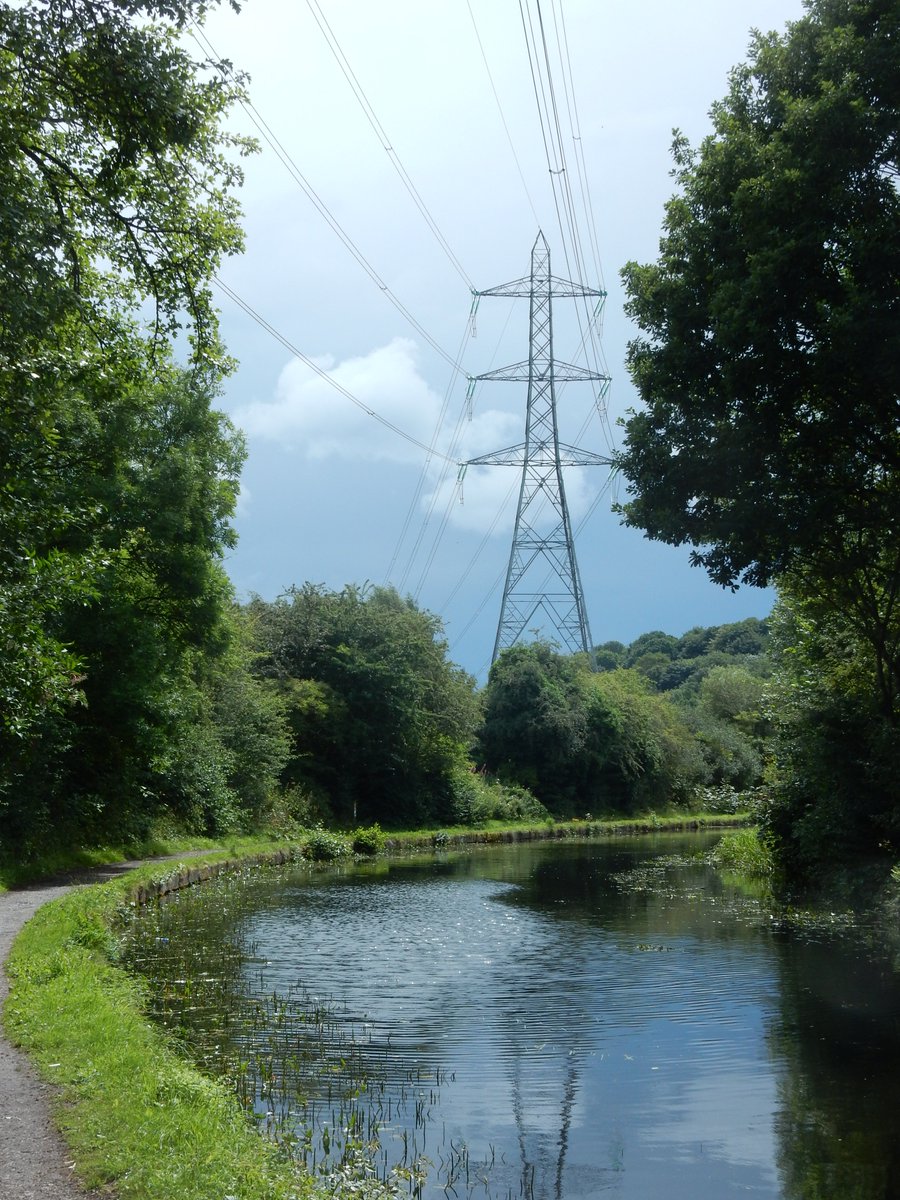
column 559, row 1020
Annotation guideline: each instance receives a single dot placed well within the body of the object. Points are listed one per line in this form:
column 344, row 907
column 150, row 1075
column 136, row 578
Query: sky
column 332, row 495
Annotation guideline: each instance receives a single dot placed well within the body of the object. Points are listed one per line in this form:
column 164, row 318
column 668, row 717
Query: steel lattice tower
column 542, row 458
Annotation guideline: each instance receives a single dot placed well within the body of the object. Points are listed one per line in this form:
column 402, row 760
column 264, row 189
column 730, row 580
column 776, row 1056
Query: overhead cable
column 314, row 366
column 363, row 101
column 502, row 115
column 270, row 138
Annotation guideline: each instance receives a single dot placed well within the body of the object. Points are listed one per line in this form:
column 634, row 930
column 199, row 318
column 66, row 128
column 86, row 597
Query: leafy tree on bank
column 770, row 331
column 716, row 677
column 582, row 741
column 380, row 721
column 118, row 479
column 838, row 801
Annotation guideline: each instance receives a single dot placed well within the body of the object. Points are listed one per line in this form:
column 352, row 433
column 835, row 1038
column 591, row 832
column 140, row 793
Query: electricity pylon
column 542, row 458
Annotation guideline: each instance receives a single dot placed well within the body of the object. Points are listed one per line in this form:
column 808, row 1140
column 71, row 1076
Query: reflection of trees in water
column 835, row 1046
column 838, row 1039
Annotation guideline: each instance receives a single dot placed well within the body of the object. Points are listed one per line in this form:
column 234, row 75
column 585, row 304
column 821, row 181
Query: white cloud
column 309, row 415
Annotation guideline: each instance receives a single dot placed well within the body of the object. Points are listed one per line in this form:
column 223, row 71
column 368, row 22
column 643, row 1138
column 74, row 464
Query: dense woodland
column 137, row 695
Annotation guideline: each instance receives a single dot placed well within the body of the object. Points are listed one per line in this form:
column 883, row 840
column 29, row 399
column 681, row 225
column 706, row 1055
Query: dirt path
column 34, row 1161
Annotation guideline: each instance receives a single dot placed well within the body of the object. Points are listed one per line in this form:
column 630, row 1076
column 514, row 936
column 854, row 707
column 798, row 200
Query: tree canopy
column 380, row 719
column 116, row 201
column 769, row 324
column 769, row 441
column 118, row 477
column 770, row 327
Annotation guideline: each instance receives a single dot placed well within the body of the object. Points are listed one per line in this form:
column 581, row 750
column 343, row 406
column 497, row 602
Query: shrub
column 744, row 852
column 323, row 846
column 478, row 798
column 367, row 839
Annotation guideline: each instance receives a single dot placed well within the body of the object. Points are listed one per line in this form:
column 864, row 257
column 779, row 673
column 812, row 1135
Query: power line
column 270, row 138
column 329, row 379
column 363, row 101
column 465, row 412
column 502, row 115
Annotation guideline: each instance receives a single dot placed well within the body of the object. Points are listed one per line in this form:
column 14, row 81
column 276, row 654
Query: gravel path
column 34, row 1161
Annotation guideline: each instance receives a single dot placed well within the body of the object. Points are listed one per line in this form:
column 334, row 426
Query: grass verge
column 131, row 1109
column 134, row 1113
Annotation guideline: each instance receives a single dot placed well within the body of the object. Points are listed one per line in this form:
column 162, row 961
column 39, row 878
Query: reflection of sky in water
column 621, row 1053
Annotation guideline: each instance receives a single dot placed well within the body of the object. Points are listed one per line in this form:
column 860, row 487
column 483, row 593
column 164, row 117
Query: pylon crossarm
column 522, row 288
column 521, row 372
column 512, row 456
column 572, row 456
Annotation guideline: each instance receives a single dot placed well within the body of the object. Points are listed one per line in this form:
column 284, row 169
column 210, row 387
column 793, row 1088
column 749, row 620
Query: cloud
column 308, row 415
column 242, row 504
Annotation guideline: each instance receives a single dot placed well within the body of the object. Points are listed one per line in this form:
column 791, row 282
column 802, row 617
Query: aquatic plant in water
column 307, row 1072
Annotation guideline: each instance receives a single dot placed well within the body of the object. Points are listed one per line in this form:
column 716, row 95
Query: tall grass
column 743, row 853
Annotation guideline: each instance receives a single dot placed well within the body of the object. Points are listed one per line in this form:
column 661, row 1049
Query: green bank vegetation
column 767, row 441
column 131, row 1108
column 142, row 708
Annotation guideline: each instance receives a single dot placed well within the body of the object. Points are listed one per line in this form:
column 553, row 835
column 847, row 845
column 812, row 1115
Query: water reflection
column 556, row 1021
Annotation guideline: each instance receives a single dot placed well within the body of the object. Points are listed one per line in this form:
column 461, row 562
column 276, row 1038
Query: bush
column 726, row 799
column 322, row 845
column 478, row 798
column 367, row 839
column 744, row 852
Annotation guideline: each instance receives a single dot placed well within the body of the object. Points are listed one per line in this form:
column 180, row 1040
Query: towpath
column 35, row 1163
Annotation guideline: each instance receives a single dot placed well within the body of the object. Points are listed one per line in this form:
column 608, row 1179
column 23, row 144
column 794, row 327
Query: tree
column 152, row 471
column 770, row 330
column 534, row 724
column 837, row 804
column 115, row 200
column 380, row 718
column 583, row 741
column 118, row 479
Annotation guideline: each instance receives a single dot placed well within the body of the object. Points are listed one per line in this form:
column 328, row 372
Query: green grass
column 131, row 1109
column 743, row 853
column 15, row 874
column 73, row 859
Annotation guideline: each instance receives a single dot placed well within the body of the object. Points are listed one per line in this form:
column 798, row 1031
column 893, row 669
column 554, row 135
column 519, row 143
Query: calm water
column 565, row 1020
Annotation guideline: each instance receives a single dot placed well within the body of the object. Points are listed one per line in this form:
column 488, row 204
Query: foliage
column 379, row 718
column 770, row 333
column 682, row 663
column 477, row 798
column 115, row 185
column 126, row 1091
column 367, row 839
column 743, row 851
column 641, row 753
column 534, row 725
column 837, row 800
column 323, row 845
column 716, row 676
column 118, row 477
column 770, row 320
column 582, row 741
column 723, row 798
column 165, row 714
